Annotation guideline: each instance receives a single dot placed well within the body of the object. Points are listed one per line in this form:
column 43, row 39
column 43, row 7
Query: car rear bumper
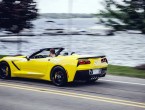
column 88, row 74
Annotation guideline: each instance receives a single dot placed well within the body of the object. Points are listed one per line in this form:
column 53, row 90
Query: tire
column 5, row 71
column 58, row 76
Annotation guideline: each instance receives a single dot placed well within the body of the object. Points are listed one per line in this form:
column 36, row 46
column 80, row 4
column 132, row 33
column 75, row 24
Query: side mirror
column 27, row 58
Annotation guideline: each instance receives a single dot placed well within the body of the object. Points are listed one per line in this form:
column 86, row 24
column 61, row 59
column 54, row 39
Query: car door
column 33, row 67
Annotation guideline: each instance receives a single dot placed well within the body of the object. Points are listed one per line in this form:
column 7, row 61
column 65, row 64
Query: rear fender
column 70, row 66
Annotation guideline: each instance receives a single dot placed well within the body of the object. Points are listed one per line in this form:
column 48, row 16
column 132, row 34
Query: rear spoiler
column 102, row 56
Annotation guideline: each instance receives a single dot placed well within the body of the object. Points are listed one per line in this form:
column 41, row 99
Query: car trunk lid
column 87, row 62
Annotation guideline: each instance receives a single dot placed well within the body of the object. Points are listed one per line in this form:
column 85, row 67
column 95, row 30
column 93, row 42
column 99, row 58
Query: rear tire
column 5, row 71
column 58, row 76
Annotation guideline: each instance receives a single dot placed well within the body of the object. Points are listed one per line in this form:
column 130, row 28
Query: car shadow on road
column 44, row 83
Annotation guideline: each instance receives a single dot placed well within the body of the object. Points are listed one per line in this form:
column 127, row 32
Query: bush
column 141, row 67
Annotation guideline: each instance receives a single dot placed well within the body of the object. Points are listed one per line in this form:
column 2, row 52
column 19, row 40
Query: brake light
column 83, row 62
column 104, row 60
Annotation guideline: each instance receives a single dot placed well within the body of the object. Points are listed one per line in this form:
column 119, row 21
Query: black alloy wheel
column 5, row 72
column 58, row 76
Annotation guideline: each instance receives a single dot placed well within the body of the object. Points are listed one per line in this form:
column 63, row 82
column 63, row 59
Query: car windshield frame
column 59, row 50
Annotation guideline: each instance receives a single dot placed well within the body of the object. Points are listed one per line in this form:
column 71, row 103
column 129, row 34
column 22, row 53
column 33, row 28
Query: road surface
column 109, row 93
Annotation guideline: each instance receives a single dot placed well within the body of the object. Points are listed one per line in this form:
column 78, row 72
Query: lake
column 120, row 49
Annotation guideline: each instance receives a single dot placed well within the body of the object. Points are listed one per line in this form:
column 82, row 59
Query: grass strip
column 126, row 71
column 1, row 56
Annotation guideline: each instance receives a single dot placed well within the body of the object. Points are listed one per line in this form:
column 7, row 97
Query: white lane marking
column 123, row 82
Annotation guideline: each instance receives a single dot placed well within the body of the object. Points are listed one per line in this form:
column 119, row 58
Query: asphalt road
column 109, row 93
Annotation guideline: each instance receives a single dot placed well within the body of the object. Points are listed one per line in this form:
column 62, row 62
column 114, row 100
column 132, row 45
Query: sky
column 61, row 6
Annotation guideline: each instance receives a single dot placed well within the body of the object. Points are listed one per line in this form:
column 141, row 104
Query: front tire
column 58, row 76
column 5, row 72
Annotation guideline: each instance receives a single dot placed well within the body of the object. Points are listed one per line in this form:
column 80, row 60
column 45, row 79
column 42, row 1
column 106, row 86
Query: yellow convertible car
column 60, row 69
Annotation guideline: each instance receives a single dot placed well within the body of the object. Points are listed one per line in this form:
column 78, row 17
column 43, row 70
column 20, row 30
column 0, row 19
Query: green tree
column 129, row 12
column 15, row 15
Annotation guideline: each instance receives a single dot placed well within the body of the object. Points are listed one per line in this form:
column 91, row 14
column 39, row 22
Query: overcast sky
column 61, row 6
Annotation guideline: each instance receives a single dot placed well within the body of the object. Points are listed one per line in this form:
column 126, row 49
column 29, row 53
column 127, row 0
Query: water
column 121, row 49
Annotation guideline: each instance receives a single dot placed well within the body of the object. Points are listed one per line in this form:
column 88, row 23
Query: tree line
column 129, row 12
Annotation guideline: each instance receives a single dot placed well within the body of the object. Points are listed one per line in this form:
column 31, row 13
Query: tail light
column 104, row 60
column 83, row 62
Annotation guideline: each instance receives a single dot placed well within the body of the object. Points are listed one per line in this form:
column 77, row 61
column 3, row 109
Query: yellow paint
column 76, row 95
column 41, row 68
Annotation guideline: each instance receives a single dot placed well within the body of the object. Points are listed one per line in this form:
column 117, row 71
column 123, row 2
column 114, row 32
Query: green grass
column 126, row 71
column 1, row 56
column 121, row 71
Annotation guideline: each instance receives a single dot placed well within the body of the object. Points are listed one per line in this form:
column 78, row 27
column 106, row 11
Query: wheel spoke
column 7, row 70
column 3, row 70
column 59, row 77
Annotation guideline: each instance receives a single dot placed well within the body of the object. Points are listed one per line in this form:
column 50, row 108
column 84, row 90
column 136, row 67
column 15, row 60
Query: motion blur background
column 76, row 26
